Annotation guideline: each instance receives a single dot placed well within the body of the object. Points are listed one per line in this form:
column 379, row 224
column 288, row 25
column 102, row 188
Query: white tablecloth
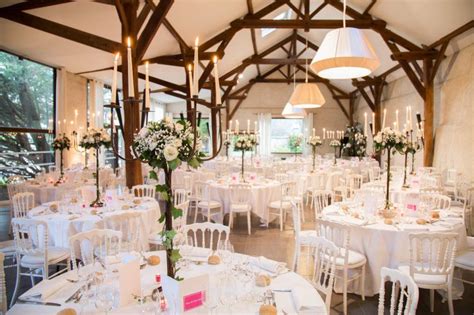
column 261, row 195
column 386, row 245
column 75, row 219
column 286, row 281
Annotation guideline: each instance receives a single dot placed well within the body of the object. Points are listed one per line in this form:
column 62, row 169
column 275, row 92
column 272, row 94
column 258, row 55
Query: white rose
column 143, row 132
column 177, row 143
column 178, row 127
column 170, row 152
column 167, row 120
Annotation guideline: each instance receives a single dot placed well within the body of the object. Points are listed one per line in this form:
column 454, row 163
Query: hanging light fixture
column 345, row 53
column 289, row 111
column 307, row 95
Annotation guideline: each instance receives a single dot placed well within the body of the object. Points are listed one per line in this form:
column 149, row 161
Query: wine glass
column 105, row 298
column 225, row 250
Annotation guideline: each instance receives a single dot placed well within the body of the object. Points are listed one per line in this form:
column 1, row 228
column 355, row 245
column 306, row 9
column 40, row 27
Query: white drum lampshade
column 307, row 95
column 289, row 111
column 345, row 53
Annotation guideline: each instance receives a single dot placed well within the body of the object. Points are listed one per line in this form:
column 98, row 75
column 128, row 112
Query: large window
column 27, row 98
column 284, row 133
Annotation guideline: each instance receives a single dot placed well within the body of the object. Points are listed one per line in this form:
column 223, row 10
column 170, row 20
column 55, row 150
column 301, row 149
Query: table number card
column 189, row 294
column 129, row 281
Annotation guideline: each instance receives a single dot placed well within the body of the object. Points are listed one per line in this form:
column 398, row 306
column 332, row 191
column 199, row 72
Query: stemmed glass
column 105, row 298
column 225, row 250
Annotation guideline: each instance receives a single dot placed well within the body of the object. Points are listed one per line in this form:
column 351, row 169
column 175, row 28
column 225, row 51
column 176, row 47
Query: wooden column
column 133, row 169
column 428, row 134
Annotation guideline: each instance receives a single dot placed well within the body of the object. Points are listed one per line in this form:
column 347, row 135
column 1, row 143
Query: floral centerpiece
column 227, row 143
column 244, row 143
column 392, row 141
column 335, row 144
column 94, row 139
column 356, row 142
column 314, row 142
column 164, row 145
column 294, row 143
column 61, row 143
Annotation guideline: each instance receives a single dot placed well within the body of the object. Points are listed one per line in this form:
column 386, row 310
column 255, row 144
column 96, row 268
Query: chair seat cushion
column 55, row 255
column 7, row 247
column 240, row 207
column 355, row 259
column 209, row 204
column 422, row 279
column 278, row 203
column 465, row 259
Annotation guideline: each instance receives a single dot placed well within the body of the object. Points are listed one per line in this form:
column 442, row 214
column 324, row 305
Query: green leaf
column 164, row 195
column 174, row 164
column 175, row 256
column 162, row 218
column 194, row 163
column 161, row 188
column 153, row 175
column 176, row 212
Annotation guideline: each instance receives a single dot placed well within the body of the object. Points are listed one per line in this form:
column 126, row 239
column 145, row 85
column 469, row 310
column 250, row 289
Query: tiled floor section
column 272, row 243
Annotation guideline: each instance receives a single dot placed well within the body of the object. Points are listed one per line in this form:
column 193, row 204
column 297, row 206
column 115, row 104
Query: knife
column 25, row 301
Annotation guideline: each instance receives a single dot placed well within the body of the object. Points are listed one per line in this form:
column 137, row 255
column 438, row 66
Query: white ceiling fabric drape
column 265, row 131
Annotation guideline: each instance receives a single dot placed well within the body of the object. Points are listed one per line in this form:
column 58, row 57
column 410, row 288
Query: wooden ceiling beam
column 414, row 55
column 64, row 31
column 253, row 35
column 277, row 61
column 303, row 24
column 30, row 5
column 152, row 26
column 317, row 10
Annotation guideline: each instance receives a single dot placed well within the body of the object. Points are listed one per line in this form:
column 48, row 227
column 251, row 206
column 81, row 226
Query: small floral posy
column 165, row 145
column 314, row 141
column 95, row 138
column 335, row 143
column 244, row 143
column 61, row 142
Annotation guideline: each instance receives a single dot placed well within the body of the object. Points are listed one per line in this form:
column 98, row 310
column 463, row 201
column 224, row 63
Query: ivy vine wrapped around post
column 410, row 148
column 164, row 146
column 389, row 139
column 94, row 139
column 227, row 144
column 335, row 144
column 314, row 142
column 244, row 143
column 61, row 143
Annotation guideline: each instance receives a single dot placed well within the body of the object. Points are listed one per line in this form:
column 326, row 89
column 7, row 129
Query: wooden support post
column 133, row 169
column 428, row 135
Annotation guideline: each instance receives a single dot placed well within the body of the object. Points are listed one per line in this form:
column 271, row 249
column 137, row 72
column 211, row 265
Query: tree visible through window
column 27, row 101
column 283, row 129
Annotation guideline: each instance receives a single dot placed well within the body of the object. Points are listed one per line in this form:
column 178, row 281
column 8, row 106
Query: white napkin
column 354, row 221
column 198, row 252
column 305, row 303
column 46, row 288
column 266, row 264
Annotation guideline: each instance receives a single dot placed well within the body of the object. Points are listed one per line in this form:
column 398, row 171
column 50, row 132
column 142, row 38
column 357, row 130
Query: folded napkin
column 354, row 221
column 46, row 289
column 191, row 251
column 305, row 302
column 269, row 265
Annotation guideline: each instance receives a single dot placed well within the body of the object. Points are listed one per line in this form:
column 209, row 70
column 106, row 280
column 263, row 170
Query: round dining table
column 385, row 245
column 262, row 192
column 68, row 218
column 231, row 285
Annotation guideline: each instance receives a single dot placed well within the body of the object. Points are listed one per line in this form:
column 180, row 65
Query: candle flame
column 129, row 42
column 214, row 59
column 196, row 42
column 190, row 67
column 146, row 65
column 117, row 56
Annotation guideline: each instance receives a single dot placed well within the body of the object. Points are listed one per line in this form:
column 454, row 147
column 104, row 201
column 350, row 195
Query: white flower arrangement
column 335, row 143
column 314, row 141
column 244, row 143
column 95, row 138
column 167, row 143
column 61, row 142
column 388, row 139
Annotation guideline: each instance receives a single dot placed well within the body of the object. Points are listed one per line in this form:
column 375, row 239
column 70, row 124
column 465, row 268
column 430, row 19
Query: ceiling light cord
column 344, row 15
column 306, row 63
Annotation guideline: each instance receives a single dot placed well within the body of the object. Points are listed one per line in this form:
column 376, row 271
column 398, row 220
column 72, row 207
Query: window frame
column 271, row 136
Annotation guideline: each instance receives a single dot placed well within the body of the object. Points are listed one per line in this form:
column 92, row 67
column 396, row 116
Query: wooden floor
column 272, row 243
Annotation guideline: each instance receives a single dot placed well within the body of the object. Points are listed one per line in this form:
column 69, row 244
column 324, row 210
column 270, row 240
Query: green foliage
column 295, row 142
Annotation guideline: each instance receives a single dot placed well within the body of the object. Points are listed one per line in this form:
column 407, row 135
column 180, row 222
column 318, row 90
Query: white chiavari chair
column 442, row 202
column 347, row 259
column 355, row 183
column 465, row 258
column 404, row 295
column 144, row 191
column 432, row 263
column 94, row 243
column 205, row 205
column 325, row 255
column 180, row 195
column 198, row 233
column 3, row 288
column 283, row 204
column 452, row 181
column 22, row 203
column 281, row 177
column 303, row 239
column 130, row 225
column 34, row 253
column 240, row 195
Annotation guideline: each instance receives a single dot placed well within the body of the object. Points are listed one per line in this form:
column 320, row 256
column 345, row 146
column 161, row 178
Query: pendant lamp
column 345, row 53
column 307, row 95
column 289, row 111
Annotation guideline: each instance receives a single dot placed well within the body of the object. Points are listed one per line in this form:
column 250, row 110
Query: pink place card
column 411, row 207
column 193, row 300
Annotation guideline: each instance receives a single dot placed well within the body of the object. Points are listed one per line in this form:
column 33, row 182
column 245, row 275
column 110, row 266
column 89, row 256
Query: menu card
column 129, row 281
